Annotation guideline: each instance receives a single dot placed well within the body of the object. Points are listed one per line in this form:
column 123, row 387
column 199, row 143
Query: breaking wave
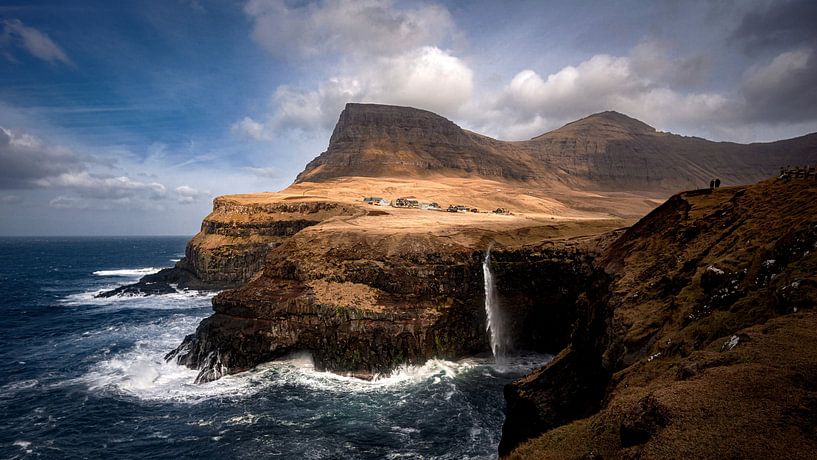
column 180, row 299
column 128, row 272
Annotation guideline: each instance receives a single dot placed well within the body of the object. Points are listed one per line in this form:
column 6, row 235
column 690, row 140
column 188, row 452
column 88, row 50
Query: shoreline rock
column 357, row 308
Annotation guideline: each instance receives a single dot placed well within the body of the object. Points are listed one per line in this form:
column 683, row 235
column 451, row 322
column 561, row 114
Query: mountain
column 373, row 140
column 606, row 151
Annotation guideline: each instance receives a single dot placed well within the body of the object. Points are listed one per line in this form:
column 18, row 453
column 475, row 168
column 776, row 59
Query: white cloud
column 96, row 186
column 68, row 202
column 427, row 78
column 531, row 104
column 40, row 45
column 349, row 27
column 10, row 199
column 372, row 51
column 270, row 173
column 367, row 57
column 24, row 158
column 781, row 90
column 652, row 61
column 186, row 194
column 249, row 128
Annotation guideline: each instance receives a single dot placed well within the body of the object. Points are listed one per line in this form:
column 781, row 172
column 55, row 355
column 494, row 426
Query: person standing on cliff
column 712, row 184
column 717, row 183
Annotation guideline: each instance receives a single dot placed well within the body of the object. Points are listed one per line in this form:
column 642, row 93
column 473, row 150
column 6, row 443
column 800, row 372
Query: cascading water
column 499, row 343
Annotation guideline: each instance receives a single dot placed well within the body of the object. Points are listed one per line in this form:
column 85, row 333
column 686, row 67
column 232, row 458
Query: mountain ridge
column 604, row 151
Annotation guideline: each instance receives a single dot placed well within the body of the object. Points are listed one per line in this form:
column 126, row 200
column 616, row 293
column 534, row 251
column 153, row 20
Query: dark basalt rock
column 572, row 385
column 380, row 310
column 165, row 281
column 701, row 320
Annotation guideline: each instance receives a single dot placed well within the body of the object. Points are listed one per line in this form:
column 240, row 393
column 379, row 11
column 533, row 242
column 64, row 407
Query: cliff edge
column 696, row 342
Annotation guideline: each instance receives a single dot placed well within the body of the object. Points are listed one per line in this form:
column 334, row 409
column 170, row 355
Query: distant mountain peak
column 604, row 151
column 604, row 123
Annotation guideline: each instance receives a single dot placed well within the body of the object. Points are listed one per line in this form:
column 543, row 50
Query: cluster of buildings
column 402, row 202
column 798, row 172
column 412, row 202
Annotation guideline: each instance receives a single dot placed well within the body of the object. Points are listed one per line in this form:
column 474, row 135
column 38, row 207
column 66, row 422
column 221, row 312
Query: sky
column 127, row 118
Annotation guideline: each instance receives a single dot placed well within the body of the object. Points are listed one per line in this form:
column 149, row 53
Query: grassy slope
column 703, row 272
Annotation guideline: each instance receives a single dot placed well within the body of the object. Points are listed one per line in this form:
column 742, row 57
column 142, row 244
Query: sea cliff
column 695, row 341
column 366, row 303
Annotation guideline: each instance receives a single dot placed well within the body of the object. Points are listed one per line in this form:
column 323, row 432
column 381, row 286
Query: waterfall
column 499, row 343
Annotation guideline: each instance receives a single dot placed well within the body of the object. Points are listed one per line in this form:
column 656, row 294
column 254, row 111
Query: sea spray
column 499, row 342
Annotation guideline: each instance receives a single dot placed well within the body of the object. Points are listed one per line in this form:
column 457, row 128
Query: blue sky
column 128, row 117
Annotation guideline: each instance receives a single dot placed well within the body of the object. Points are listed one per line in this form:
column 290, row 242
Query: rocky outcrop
column 605, row 151
column 698, row 343
column 235, row 237
column 364, row 304
column 166, row 281
column 233, row 241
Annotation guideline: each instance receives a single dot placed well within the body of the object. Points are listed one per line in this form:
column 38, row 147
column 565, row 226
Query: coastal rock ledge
column 364, row 303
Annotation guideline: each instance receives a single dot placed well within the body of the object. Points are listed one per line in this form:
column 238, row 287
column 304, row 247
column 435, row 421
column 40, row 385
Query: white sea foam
column 128, row 272
column 142, row 372
column 24, row 445
column 10, row 390
column 180, row 299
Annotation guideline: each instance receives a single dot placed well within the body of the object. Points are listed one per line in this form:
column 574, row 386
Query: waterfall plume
column 499, row 342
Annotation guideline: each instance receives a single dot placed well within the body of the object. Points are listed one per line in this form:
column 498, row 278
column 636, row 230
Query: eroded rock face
column 364, row 304
column 374, row 140
column 604, row 151
column 232, row 243
column 235, row 237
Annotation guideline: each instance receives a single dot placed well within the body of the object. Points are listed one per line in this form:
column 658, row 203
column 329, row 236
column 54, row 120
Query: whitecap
column 143, row 373
column 181, row 299
column 24, row 445
column 128, row 272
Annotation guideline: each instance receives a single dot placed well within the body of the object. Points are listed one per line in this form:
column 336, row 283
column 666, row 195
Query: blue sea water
column 85, row 378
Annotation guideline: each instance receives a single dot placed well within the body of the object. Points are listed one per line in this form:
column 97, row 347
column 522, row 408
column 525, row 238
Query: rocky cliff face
column 388, row 141
column 605, row 151
column 236, row 236
column 364, row 305
column 696, row 341
column 233, row 241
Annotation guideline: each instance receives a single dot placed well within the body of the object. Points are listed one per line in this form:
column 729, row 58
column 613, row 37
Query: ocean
column 82, row 377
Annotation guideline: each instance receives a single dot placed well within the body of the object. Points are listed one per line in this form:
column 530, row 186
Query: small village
column 798, row 172
column 413, row 202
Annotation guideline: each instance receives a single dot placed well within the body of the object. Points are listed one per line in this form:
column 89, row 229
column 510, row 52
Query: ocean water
column 84, row 378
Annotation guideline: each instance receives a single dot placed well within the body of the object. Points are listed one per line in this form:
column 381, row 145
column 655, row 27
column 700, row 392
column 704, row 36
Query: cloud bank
column 377, row 51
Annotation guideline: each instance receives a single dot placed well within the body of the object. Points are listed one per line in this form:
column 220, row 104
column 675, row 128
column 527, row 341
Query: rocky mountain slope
column 696, row 341
column 607, row 151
